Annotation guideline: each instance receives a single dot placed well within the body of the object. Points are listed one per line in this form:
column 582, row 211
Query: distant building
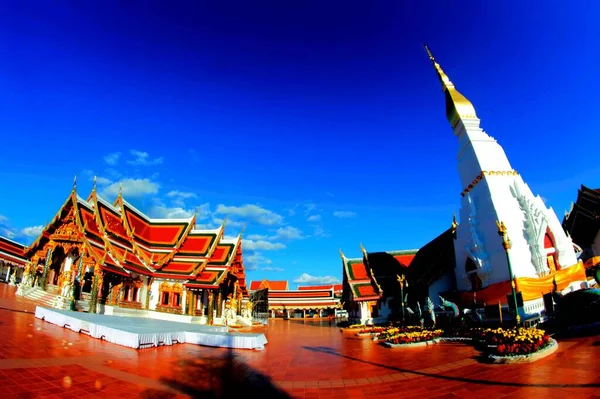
column 12, row 259
column 306, row 301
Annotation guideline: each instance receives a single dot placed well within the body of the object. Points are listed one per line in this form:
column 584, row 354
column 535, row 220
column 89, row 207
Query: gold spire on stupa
column 457, row 105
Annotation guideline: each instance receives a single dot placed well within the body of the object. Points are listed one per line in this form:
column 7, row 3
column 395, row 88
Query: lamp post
column 402, row 281
column 507, row 244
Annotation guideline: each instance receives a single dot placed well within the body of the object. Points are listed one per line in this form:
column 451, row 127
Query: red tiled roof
column 278, row 285
column 336, row 287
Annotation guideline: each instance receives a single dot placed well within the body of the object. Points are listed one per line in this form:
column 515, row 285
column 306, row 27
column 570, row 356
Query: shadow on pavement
column 333, row 352
column 216, row 377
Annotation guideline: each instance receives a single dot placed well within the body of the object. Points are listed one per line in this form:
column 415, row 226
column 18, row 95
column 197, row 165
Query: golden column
column 210, row 307
column 507, row 245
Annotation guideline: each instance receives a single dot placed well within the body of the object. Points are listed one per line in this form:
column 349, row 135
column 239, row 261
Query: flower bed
column 413, row 337
column 369, row 331
column 515, row 341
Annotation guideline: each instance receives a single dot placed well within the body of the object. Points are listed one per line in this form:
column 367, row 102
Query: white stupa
column 493, row 191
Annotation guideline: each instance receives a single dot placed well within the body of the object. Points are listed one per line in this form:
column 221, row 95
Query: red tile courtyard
column 301, row 360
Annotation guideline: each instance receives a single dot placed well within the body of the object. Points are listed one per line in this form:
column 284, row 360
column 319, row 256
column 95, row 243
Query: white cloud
column 33, row 231
column 253, row 245
column 230, row 223
column 143, row 159
column 178, row 197
column 251, row 212
column 112, row 159
column 306, row 278
column 5, row 229
column 257, row 237
column 181, row 194
column 103, row 181
column 344, row 214
column 288, row 233
column 170, row 213
column 308, row 208
column 272, row 269
column 329, row 194
column 132, row 188
column 320, row 232
column 313, row 218
column 256, row 260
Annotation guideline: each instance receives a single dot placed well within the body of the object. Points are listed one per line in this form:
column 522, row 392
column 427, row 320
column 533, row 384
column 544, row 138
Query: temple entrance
column 551, row 255
column 471, row 270
column 56, row 263
column 260, row 305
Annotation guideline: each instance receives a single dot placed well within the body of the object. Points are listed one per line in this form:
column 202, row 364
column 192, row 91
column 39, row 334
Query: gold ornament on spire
column 120, row 190
column 457, row 106
column 75, row 183
column 363, row 250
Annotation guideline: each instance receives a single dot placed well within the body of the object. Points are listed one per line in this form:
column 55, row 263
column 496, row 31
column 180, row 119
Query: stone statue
column 13, row 279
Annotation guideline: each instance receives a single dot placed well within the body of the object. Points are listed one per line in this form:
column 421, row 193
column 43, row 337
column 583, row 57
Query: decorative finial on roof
column 243, row 230
column 341, row 253
column 224, row 222
column 363, row 250
column 457, row 106
column 94, row 186
column 75, row 183
column 120, row 190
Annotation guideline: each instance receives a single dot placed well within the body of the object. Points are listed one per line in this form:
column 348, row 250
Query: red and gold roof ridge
column 119, row 258
column 360, row 278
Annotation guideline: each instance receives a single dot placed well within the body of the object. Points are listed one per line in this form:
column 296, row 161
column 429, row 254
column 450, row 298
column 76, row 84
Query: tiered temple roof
column 375, row 274
column 122, row 240
column 12, row 252
column 582, row 222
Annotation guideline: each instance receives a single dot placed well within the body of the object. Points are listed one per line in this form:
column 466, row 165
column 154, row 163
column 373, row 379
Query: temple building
column 111, row 258
column 12, row 260
column 371, row 290
column 582, row 223
column 306, row 301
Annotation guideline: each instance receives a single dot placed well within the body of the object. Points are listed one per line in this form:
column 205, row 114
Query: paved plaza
column 301, row 360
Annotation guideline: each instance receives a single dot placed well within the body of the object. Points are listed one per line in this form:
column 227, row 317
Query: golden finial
column 454, row 223
column 75, row 183
column 94, row 186
column 224, row 222
column 457, row 106
column 364, row 251
column 243, row 230
column 120, row 190
column 342, row 254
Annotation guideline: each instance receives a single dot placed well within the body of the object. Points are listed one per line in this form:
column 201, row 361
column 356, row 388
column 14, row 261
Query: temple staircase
column 40, row 296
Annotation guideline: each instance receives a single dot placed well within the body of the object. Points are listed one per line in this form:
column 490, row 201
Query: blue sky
column 319, row 124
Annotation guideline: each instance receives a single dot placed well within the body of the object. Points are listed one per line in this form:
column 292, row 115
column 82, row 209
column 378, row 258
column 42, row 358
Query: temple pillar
column 220, row 303
column 96, row 288
column 44, row 278
column 210, row 307
column 8, row 274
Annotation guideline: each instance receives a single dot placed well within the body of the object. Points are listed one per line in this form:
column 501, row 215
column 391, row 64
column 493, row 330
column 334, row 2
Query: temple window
column 136, row 291
column 165, row 299
column 177, row 300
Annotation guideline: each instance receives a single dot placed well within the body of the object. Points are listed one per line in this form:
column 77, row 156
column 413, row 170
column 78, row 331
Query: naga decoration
column 429, row 309
column 450, row 305
column 420, row 315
